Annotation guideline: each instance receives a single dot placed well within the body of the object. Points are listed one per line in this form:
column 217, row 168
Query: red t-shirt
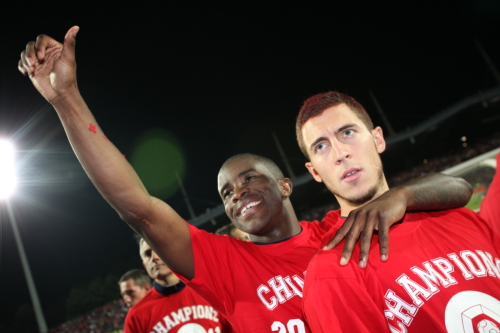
column 258, row 288
column 443, row 275
column 182, row 312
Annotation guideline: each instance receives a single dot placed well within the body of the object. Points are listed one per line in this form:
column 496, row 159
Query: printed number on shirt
column 217, row 330
column 293, row 326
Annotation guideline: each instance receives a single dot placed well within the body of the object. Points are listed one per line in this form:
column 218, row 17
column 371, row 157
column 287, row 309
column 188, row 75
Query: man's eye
column 320, row 146
column 227, row 193
column 249, row 178
column 348, row 132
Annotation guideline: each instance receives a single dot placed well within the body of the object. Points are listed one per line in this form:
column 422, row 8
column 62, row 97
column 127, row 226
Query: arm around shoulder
column 437, row 191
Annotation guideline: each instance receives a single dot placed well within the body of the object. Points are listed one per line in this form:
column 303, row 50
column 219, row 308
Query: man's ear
column 378, row 137
column 286, row 187
column 147, row 287
column 313, row 172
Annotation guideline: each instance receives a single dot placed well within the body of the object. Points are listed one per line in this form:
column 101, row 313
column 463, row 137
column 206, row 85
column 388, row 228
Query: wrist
column 68, row 96
column 406, row 195
column 69, row 104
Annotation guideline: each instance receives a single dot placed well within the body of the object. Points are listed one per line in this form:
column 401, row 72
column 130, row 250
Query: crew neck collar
column 169, row 290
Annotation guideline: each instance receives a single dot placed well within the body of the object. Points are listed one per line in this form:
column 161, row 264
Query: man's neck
column 169, row 280
column 288, row 227
column 347, row 207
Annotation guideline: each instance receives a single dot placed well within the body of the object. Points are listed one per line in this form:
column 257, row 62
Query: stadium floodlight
column 7, row 171
column 7, row 185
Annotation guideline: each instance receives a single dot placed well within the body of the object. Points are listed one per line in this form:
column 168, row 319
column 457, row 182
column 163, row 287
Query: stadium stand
column 106, row 319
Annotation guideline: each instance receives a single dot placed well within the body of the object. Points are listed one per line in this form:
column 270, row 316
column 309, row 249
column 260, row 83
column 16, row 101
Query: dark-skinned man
column 256, row 285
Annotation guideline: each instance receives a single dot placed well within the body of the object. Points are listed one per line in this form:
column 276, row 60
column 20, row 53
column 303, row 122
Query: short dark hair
column 140, row 277
column 268, row 163
column 315, row 105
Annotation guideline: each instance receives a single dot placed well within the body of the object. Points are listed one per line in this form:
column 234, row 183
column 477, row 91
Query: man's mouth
column 249, row 205
column 351, row 175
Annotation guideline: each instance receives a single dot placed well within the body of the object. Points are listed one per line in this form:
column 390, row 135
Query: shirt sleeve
column 339, row 300
column 213, row 274
column 131, row 324
column 490, row 206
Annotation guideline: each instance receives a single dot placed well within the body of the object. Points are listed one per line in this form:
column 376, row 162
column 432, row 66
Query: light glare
column 7, row 172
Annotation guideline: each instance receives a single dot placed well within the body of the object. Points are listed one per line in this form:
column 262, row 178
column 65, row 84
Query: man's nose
column 155, row 256
column 340, row 150
column 240, row 192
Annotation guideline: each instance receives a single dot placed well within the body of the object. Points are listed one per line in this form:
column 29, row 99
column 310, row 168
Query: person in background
column 171, row 306
column 134, row 285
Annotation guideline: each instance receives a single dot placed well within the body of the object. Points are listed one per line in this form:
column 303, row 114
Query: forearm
column 116, row 180
column 102, row 161
column 436, row 192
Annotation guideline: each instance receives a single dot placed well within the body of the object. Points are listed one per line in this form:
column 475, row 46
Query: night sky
column 220, row 78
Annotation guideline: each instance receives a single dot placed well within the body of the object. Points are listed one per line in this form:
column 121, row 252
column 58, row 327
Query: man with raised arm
column 444, row 271
column 256, row 285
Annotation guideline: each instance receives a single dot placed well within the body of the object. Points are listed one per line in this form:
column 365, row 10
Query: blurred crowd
column 106, row 319
column 446, row 161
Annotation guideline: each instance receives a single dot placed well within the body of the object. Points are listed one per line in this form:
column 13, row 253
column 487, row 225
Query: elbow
column 136, row 216
column 466, row 189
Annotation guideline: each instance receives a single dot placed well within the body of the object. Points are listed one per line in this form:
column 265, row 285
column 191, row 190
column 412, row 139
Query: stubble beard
column 365, row 197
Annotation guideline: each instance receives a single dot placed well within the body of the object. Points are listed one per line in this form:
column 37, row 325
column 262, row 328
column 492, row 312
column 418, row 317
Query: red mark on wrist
column 105, row 138
column 92, row 128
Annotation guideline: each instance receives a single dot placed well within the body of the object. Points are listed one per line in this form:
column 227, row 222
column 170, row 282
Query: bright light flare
column 7, row 171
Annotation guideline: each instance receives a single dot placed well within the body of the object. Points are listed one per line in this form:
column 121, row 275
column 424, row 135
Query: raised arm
column 51, row 67
column 430, row 192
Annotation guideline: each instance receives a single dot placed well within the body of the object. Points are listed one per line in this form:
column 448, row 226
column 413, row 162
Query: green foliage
column 81, row 300
column 55, row 314
column 98, row 292
column 25, row 322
